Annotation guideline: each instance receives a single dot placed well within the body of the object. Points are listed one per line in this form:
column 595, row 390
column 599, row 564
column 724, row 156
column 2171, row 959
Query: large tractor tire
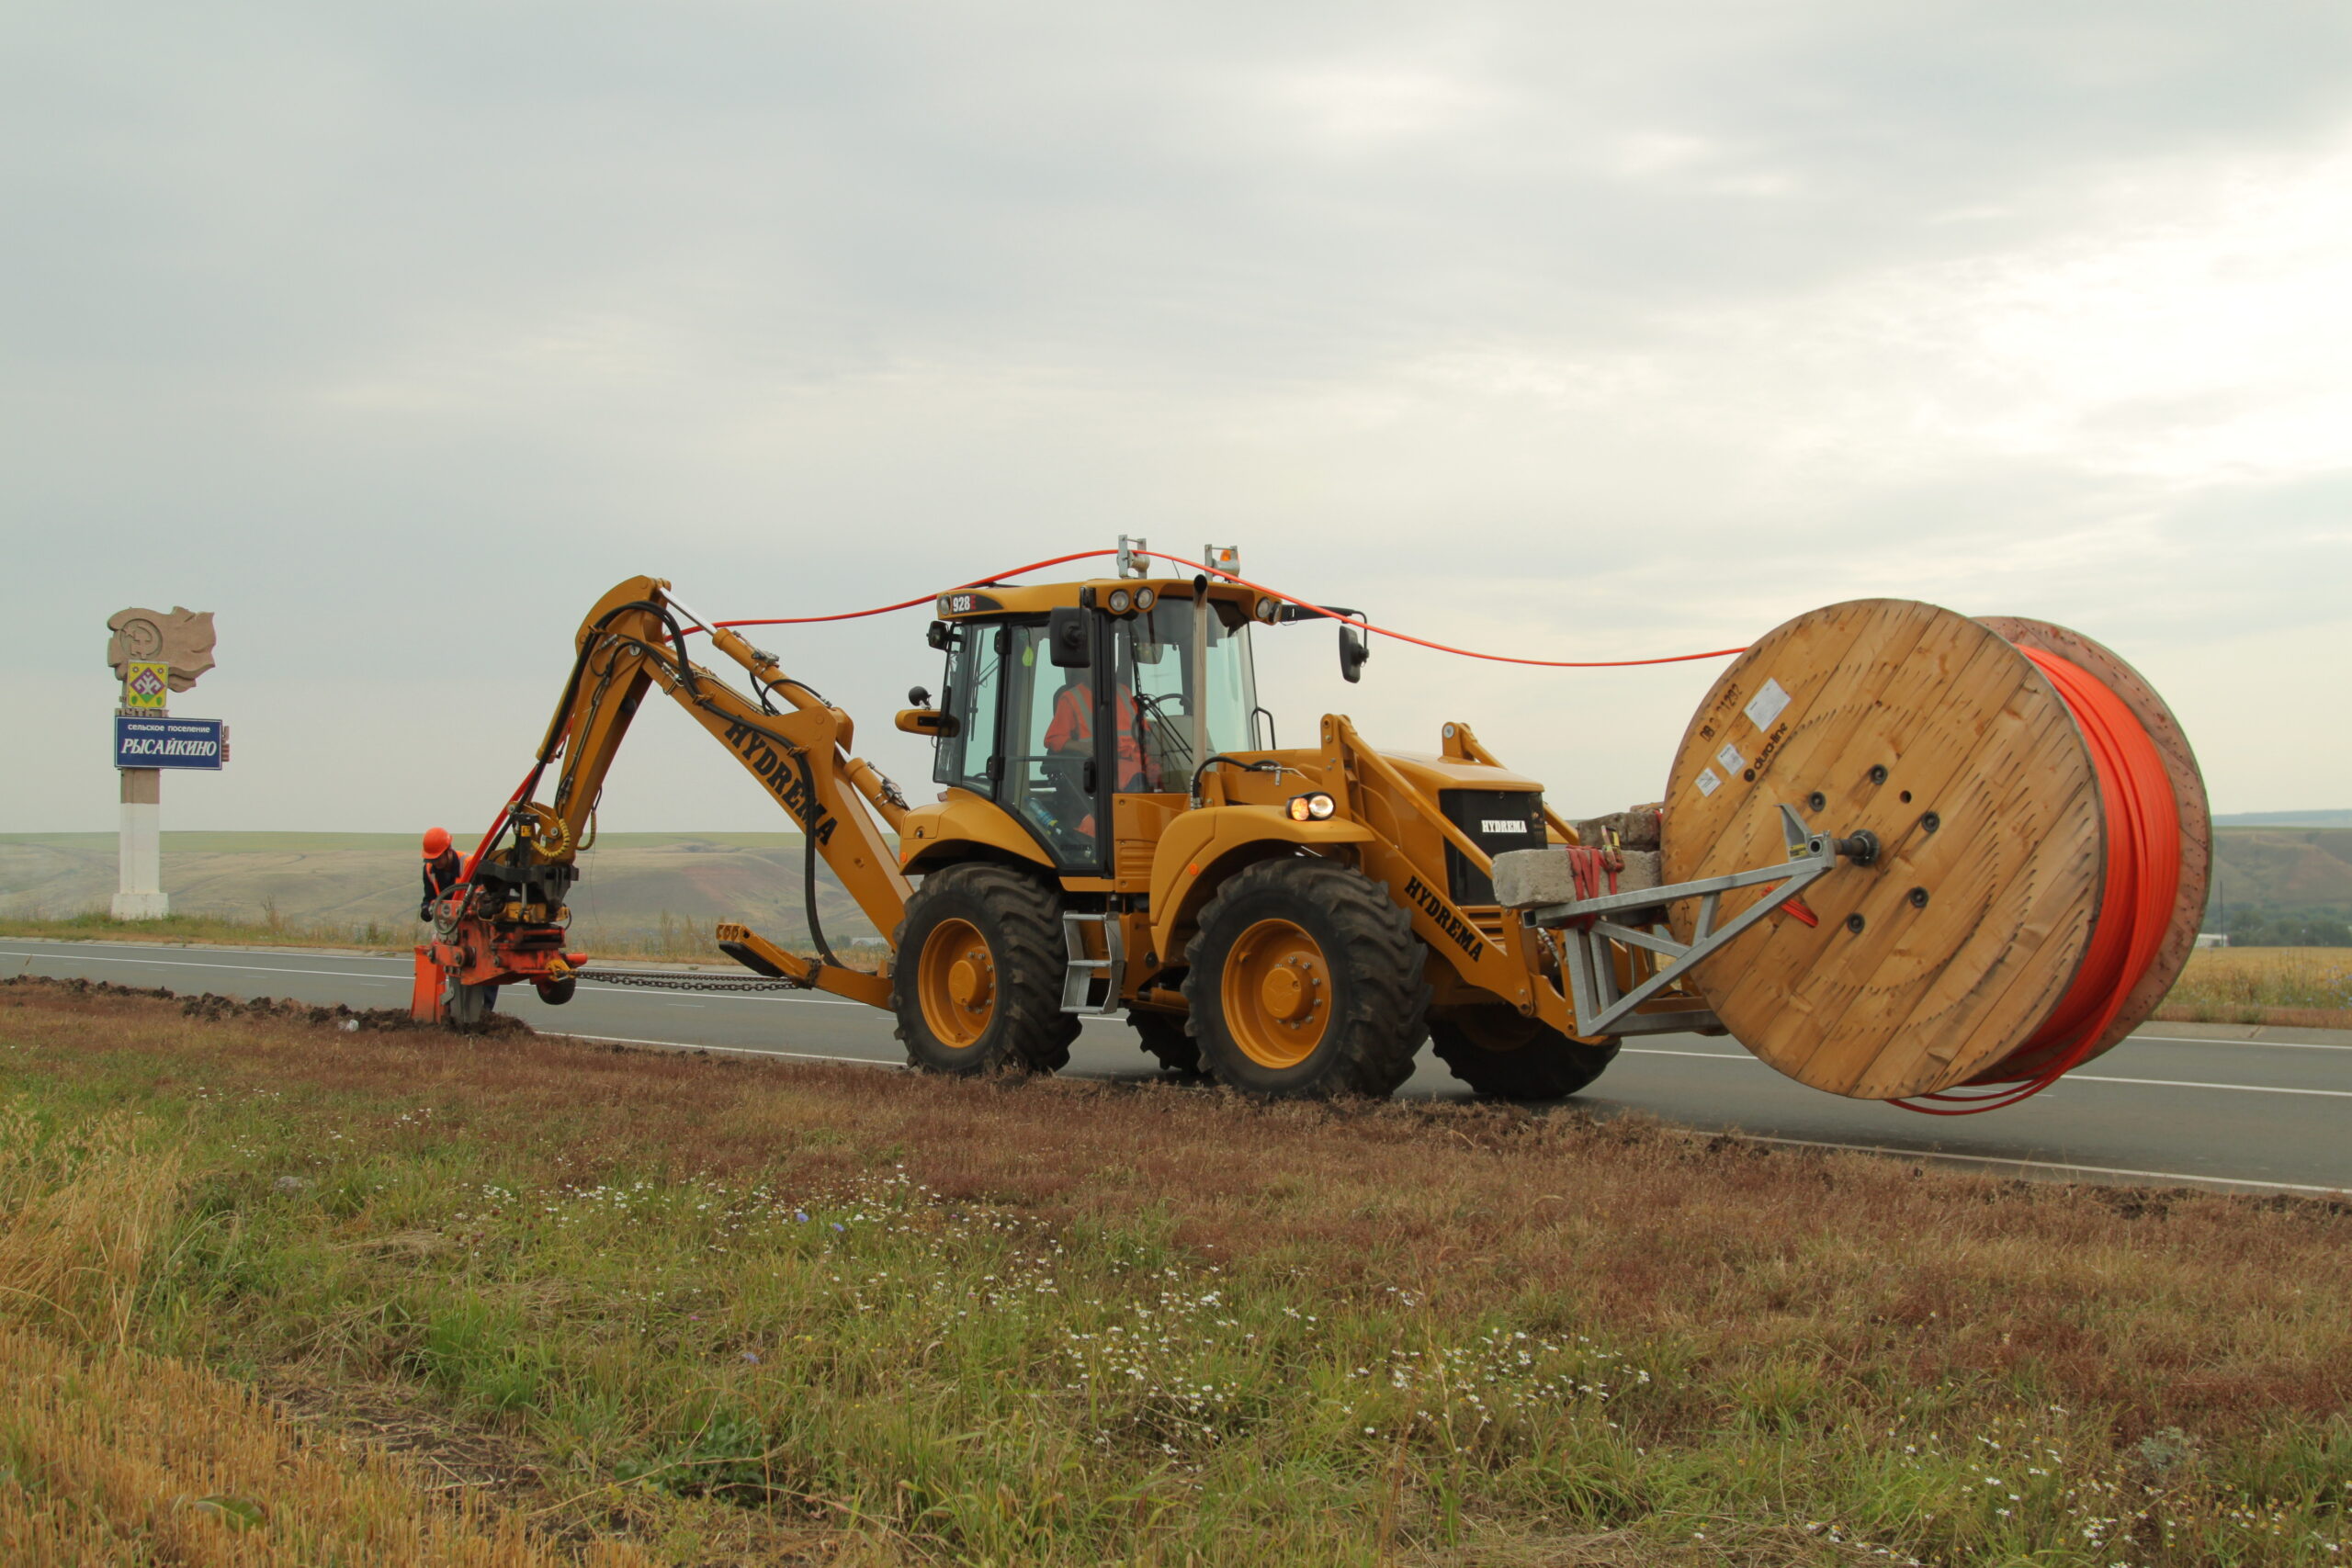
column 1307, row 982
column 1498, row 1052
column 467, row 1007
column 979, row 983
column 1167, row 1040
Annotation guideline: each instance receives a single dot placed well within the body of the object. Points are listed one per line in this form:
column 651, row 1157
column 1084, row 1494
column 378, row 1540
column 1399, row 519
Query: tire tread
column 1019, row 915
column 1389, row 997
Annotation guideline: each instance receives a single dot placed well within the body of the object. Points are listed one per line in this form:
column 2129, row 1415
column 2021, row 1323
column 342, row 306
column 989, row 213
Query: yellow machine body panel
column 933, row 836
column 1202, row 848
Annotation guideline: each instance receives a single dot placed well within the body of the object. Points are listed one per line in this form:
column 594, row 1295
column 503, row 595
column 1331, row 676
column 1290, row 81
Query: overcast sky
column 396, row 334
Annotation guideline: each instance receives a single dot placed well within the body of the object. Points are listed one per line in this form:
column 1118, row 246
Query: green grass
column 1055, row 1323
column 666, row 938
column 98, row 926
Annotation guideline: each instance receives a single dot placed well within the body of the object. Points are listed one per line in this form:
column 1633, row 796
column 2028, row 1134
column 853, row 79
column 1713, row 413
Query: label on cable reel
column 1764, row 707
column 1707, row 781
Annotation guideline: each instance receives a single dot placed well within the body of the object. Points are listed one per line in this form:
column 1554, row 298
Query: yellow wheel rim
column 1277, row 994
column 957, row 984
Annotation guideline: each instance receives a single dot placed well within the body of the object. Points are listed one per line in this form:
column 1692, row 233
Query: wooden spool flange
column 1935, row 962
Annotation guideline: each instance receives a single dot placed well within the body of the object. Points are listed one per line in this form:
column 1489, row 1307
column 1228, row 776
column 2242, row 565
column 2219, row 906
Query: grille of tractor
column 1496, row 820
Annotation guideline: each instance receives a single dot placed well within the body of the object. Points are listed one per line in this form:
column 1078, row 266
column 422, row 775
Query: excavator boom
column 504, row 922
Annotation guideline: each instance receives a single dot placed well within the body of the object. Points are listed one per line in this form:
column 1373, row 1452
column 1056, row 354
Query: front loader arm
column 632, row 641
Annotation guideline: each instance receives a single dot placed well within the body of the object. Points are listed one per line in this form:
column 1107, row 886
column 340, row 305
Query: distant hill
column 629, row 880
column 2285, row 820
column 633, row 879
column 2283, row 868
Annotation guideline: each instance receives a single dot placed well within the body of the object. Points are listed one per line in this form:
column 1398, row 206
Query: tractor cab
column 1059, row 698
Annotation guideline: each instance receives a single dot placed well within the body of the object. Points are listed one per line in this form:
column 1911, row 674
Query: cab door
column 1032, row 738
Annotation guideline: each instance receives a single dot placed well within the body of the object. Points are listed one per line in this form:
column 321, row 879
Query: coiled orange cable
column 2135, row 905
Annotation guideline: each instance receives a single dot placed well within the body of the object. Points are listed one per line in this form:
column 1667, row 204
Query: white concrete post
column 151, row 652
column 140, row 895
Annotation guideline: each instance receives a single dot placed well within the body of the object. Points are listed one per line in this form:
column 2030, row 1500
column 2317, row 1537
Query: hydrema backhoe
column 1118, row 831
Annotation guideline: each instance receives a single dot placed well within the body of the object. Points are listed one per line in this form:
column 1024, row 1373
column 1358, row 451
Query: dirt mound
column 212, row 1007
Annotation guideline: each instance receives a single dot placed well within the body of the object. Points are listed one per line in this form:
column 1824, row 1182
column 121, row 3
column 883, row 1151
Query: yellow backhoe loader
column 1118, row 831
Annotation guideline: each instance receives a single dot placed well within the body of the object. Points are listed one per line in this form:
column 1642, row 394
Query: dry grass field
column 2311, row 986
column 514, row 1299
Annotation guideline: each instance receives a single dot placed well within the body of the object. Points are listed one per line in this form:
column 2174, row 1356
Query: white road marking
column 2032, row 1163
column 1749, row 1137
column 649, row 993
column 732, row 1050
column 2266, row 1044
column 2242, row 1088
column 2070, row 1077
column 1703, row 1056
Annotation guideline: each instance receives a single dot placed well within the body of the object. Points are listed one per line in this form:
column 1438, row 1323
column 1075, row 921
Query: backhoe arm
column 632, row 641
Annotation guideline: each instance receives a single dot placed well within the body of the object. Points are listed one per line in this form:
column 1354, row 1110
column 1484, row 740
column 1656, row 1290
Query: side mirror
column 939, row 634
column 927, row 721
column 1354, row 648
column 1070, row 633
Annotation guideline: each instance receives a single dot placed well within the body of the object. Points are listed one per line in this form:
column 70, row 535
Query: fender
column 1201, row 847
column 933, row 836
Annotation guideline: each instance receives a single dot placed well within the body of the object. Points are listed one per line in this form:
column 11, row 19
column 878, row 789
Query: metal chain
column 657, row 980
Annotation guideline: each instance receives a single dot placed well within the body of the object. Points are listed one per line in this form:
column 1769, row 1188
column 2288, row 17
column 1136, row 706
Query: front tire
column 1307, row 982
column 979, row 983
column 1498, row 1052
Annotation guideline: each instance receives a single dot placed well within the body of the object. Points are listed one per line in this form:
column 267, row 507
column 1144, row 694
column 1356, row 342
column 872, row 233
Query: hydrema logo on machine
column 1497, row 825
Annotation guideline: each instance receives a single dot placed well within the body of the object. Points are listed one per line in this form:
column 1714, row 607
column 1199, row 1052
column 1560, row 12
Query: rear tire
column 1168, row 1039
column 978, row 988
column 1307, row 982
column 1499, row 1053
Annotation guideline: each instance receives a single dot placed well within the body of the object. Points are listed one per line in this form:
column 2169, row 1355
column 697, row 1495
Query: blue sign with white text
column 170, row 742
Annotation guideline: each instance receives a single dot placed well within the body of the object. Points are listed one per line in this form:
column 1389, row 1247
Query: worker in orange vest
column 1072, row 731
column 442, row 869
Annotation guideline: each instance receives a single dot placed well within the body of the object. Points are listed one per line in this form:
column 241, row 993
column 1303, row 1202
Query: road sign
column 146, row 685
column 170, row 742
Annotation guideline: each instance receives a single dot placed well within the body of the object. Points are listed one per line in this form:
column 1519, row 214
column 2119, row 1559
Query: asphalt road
column 2163, row 1107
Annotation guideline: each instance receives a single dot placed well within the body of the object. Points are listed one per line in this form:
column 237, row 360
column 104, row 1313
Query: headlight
column 1266, row 608
column 1146, row 598
column 1120, row 600
column 1314, row 807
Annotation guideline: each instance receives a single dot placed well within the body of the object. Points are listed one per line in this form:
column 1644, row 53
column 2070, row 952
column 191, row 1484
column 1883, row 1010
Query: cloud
column 396, row 334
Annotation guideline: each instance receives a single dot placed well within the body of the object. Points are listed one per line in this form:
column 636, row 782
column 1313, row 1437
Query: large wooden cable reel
column 1942, row 961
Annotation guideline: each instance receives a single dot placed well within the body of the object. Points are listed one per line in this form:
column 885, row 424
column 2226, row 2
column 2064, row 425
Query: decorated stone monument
column 153, row 655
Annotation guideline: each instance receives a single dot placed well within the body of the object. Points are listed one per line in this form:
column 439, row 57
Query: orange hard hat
column 436, row 839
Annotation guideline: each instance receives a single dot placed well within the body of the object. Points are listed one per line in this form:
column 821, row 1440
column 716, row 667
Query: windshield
column 1152, row 657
